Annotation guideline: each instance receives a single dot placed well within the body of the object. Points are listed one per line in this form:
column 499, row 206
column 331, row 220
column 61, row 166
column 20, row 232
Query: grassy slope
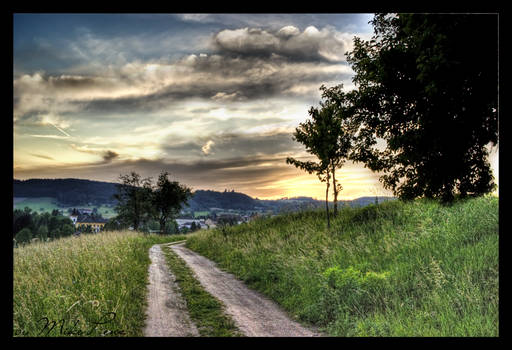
column 82, row 280
column 396, row 269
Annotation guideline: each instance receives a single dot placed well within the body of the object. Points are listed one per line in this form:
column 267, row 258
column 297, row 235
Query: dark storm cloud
column 74, row 82
column 249, row 144
column 248, row 64
column 234, row 146
column 223, row 79
column 107, row 155
column 244, row 171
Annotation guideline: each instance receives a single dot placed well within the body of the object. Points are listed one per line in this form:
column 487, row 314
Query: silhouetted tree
column 167, row 199
column 327, row 136
column 134, row 199
column 21, row 219
column 425, row 88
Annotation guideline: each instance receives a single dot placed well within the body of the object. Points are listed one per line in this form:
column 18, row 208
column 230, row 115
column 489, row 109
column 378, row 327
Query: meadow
column 92, row 285
column 414, row 268
column 47, row 204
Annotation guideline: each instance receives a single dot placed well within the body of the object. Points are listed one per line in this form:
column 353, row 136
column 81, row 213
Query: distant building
column 188, row 223
column 210, row 223
column 74, row 218
column 95, row 224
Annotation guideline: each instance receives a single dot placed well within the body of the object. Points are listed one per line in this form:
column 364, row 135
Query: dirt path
column 254, row 314
column 167, row 314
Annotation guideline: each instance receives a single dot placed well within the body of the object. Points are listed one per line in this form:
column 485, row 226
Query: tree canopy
column 140, row 202
column 134, row 199
column 168, row 198
column 427, row 84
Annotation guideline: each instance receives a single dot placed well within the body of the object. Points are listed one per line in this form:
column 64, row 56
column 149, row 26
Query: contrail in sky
column 62, row 131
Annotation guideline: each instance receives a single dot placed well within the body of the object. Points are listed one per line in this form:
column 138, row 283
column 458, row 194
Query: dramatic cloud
column 249, row 63
column 312, row 44
column 235, row 145
column 107, row 155
column 212, row 98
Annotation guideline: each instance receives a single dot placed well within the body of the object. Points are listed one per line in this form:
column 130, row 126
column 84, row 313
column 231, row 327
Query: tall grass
column 92, row 285
column 395, row 269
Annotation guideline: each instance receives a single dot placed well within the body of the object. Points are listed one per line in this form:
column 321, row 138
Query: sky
column 211, row 98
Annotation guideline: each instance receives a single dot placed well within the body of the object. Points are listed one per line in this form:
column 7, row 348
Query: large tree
column 134, row 199
column 167, row 199
column 427, row 84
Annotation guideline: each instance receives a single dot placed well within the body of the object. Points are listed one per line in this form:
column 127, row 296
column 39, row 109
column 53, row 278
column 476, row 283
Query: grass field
column 396, row 269
column 47, row 204
column 36, row 204
column 92, row 285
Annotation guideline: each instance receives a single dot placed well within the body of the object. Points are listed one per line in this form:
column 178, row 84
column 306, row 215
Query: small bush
column 349, row 291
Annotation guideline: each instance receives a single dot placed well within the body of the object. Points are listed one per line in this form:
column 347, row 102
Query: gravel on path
column 166, row 314
column 254, row 314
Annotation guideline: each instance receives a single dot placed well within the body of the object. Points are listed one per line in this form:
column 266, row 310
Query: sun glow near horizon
column 214, row 101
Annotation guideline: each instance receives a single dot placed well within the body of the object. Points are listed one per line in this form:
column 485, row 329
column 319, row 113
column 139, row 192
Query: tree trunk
column 335, row 192
column 162, row 225
column 327, row 204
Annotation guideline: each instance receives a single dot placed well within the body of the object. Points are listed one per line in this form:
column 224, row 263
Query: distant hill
column 299, row 203
column 76, row 192
column 67, row 192
column 204, row 200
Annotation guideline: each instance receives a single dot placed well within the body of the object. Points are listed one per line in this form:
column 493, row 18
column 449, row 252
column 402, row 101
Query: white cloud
column 312, row 44
column 207, row 147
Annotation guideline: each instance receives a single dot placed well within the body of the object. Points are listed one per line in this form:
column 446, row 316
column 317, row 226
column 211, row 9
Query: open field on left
column 92, row 285
column 47, row 204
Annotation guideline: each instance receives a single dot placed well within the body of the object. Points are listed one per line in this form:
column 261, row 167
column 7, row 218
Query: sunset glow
column 213, row 99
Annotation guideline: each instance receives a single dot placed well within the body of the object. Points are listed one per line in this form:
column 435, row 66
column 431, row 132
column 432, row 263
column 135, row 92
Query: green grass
column 201, row 213
column 36, row 204
column 92, row 285
column 396, row 269
column 205, row 311
column 105, row 211
column 47, row 204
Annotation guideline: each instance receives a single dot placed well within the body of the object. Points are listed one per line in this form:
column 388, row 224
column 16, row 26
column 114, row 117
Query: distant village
column 86, row 219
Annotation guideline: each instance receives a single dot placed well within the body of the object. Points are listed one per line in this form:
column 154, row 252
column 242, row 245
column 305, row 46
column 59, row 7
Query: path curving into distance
column 254, row 314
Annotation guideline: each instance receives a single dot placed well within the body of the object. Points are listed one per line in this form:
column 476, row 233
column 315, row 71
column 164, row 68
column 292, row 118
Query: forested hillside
column 68, row 192
column 76, row 192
